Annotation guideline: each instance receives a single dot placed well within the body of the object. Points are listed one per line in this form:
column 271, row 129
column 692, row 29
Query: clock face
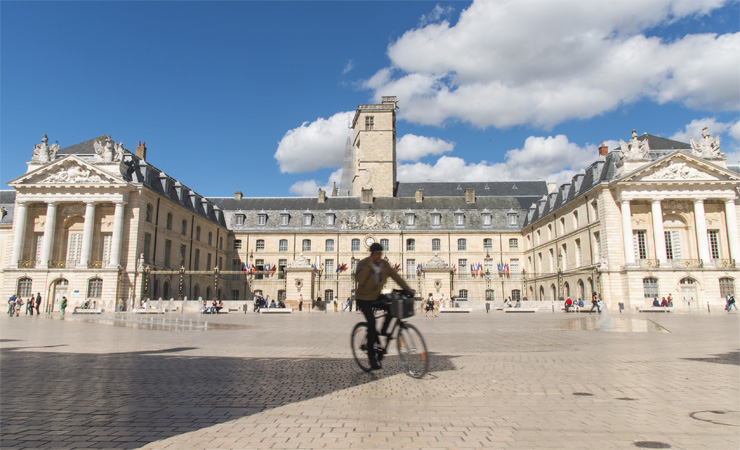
column 369, row 241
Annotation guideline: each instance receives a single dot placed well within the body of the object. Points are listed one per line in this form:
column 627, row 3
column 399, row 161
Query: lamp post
column 560, row 276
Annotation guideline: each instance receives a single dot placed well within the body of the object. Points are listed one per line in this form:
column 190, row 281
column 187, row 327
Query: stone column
column 48, row 241
column 658, row 232
column 115, row 250
column 733, row 237
column 629, row 251
column 702, row 240
column 20, row 214
column 87, row 233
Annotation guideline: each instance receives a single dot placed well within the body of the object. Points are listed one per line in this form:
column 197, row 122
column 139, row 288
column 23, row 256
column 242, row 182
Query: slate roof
column 7, row 201
column 482, row 189
column 659, row 143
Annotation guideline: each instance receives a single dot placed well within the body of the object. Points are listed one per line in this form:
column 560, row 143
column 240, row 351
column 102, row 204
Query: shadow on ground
column 126, row 400
column 732, row 358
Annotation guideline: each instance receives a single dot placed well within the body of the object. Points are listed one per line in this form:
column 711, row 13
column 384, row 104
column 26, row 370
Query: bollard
column 205, row 327
column 708, row 310
column 553, row 308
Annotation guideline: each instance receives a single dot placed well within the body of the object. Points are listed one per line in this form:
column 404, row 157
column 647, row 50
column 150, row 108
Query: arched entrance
column 58, row 290
column 581, row 290
column 688, row 295
column 542, row 293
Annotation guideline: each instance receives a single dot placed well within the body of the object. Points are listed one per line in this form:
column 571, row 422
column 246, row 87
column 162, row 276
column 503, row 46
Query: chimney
column 238, row 195
column 419, row 195
column 551, row 187
column 322, row 196
column 603, row 150
column 141, row 151
column 469, row 195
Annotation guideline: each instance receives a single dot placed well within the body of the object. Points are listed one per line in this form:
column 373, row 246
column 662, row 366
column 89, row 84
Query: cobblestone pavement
column 510, row 381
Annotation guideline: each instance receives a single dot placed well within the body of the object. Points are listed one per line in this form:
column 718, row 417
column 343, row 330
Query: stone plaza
column 252, row 381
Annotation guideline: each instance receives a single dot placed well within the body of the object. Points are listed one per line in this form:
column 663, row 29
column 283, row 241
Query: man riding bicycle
column 372, row 273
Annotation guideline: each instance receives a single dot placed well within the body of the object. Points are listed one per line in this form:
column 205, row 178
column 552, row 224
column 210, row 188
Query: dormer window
column 307, row 219
column 410, row 219
column 459, row 219
column 486, row 219
column 262, row 219
column 513, row 219
column 330, row 218
column 284, row 219
column 240, row 219
column 436, row 219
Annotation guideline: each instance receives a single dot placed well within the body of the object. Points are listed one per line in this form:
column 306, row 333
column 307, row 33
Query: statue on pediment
column 108, row 150
column 43, row 152
column 300, row 262
column 707, row 147
column 635, row 149
column 436, row 262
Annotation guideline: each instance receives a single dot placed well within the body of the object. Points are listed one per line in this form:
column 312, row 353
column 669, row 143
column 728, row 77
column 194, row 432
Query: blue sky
column 254, row 96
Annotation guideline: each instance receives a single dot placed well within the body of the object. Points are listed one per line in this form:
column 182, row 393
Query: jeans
column 595, row 305
column 367, row 306
column 729, row 307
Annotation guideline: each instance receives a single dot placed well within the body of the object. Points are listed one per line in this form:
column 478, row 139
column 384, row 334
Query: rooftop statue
column 43, row 152
column 108, row 150
column 707, row 147
column 635, row 149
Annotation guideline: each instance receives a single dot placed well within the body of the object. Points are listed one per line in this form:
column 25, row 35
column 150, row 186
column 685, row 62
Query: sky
column 256, row 96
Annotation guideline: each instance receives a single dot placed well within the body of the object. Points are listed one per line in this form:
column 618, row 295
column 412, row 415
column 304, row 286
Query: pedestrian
column 488, row 307
column 442, row 301
column 595, row 304
column 18, row 305
column 731, row 302
column 336, row 305
column 300, row 304
column 348, row 305
column 11, row 305
column 64, row 304
column 29, row 305
column 430, row 306
column 38, row 303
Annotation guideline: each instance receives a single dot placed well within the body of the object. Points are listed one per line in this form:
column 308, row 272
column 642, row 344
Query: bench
column 276, row 310
column 521, row 310
column 663, row 309
column 455, row 310
column 88, row 311
column 146, row 311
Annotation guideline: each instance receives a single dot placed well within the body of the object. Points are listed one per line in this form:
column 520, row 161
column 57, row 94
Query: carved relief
column 679, row 171
column 43, row 152
column 707, row 147
column 372, row 220
column 635, row 149
column 72, row 174
column 674, row 206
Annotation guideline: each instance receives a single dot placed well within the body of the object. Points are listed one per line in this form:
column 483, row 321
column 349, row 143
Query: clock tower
column 374, row 148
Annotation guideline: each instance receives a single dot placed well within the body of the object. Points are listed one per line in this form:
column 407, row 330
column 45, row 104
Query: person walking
column 64, row 304
column 731, row 302
column 11, row 305
column 595, row 304
column 29, row 305
column 348, row 305
column 300, row 304
column 38, row 302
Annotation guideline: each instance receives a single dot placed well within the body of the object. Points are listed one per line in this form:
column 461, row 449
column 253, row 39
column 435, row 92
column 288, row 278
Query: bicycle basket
column 402, row 307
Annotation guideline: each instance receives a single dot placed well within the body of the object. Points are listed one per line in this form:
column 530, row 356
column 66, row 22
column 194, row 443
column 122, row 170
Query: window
column 513, row 244
column 516, row 295
column 462, row 268
column 369, row 122
column 208, row 261
column 284, row 219
column 459, row 219
column 462, row 245
column 713, row 236
column 486, row 219
column 575, row 220
column 147, row 246
column 463, row 295
column 436, row 245
column 328, row 295
column 726, row 287
column 410, row 245
column 673, row 244
column 564, row 255
column 281, row 268
column 552, row 261
column 196, row 260
column 329, row 269
column 259, row 245
column 489, row 295
column 24, row 287
column 385, row 243
column 74, row 247
column 167, row 252
column 307, row 220
column 539, row 262
column 410, row 269
column 436, row 219
column 330, row 245
column 169, row 221
column 148, row 213
column 197, row 233
column 597, row 247
column 183, row 251
column 107, row 239
column 262, row 219
column 240, row 219
column 355, row 245
column 283, row 245
column 237, row 245
column 562, row 226
column 259, row 269
column 595, row 209
column 306, row 245
column 410, row 219
column 549, row 232
column 210, row 238
column 579, row 261
column 487, row 244
column 95, row 288
column 650, row 287
column 488, row 267
column 514, row 269
column 638, row 241
column 235, row 294
column 513, row 219
column 330, row 219
column 538, row 238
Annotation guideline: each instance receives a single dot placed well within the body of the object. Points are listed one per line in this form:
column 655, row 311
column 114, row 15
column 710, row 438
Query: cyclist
column 372, row 273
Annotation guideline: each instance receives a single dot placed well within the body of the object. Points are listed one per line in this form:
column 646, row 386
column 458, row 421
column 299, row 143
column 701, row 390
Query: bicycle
column 412, row 349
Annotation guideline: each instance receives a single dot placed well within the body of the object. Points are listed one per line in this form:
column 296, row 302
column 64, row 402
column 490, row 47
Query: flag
column 274, row 268
column 245, row 268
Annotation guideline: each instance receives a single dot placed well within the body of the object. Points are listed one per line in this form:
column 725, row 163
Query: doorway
column 59, row 290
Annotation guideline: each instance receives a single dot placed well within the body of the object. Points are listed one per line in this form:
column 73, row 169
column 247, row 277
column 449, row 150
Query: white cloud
column 412, row 147
column 551, row 158
column 694, row 128
column 348, row 67
column 314, row 145
column 437, row 14
column 310, row 188
column 541, row 63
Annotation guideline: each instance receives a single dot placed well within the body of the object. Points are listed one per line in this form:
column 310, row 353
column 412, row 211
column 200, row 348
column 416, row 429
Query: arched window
column 24, row 287
column 566, row 287
column 554, row 292
column 283, row 246
column 328, row 295
column 184, row 229
column 436, row 245
column 355, row 245
column 410, row 245
column 489, row 295
column 329, row 246
column 513, row 244
column 516, row 295
column 386, row 244
column 208, row 292
column 169, row 221
column 197, row 233
column 148, row 212
column 95, row 288
column 650, row 287
column 210, row 238
column 306, row 245
column 726, row 287
column 581, row 290
column 487, row 244
column 155, row 288
column 462, row 245
column 259, row 245
column 166, row 290
column 196, row 292
column 542, row 293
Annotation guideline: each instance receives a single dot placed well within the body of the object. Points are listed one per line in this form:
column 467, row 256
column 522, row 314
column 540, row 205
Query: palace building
column 97, row 222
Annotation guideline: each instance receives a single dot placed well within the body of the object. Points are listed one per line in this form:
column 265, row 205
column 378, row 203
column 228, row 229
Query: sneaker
column 379, row 353
column 375, row 366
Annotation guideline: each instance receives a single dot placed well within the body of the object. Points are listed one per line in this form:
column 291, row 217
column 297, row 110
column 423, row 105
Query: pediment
column 679, row 167
column 68, row 171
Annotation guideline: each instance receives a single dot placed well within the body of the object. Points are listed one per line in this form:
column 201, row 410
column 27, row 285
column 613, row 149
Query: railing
column 95, row 264
column 27, row 264
column 57, row 264
column 724, row 263
column 649, row 263
column 686, row 263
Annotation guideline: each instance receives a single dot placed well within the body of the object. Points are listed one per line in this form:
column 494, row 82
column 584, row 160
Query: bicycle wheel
column 412, row 350
column 358, row 342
